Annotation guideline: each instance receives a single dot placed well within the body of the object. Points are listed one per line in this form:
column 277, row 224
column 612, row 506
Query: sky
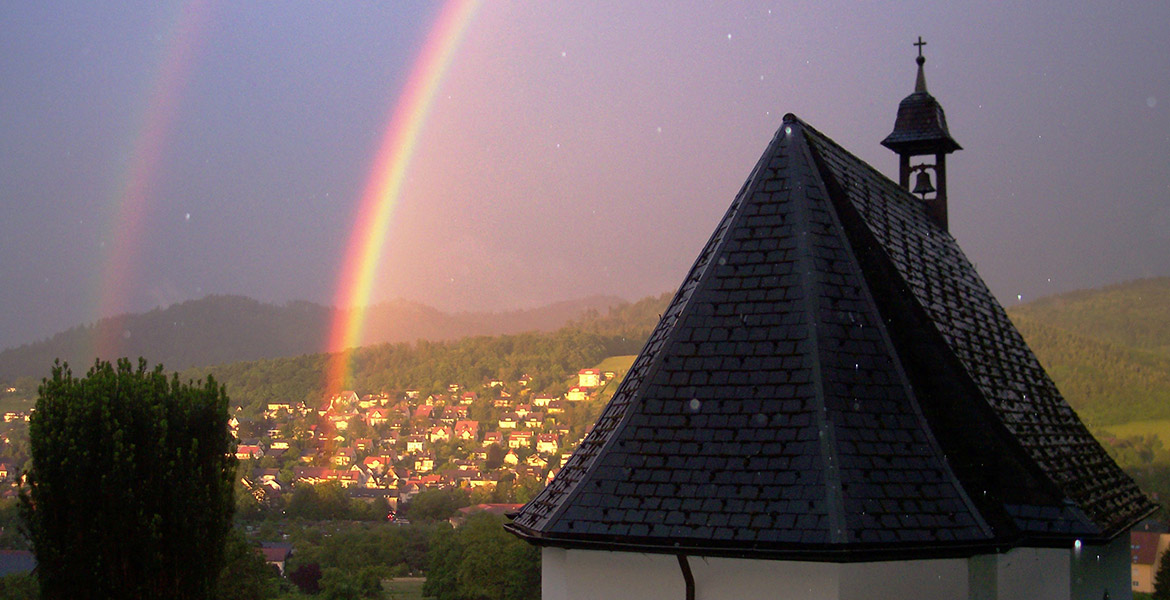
column 157, row 152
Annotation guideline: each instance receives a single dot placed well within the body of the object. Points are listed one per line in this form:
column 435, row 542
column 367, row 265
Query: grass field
column 404, row 588
column 1158, row 427
column 617, row 364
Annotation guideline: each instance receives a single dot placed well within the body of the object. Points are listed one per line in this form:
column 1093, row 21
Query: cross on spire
column 920, row 44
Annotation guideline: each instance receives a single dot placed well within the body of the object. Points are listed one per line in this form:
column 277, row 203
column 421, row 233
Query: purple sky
column 574, row 149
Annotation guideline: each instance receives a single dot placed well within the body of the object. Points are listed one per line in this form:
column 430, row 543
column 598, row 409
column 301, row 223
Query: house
column 546, row 443
column 468, row 398
column 1146, row 550
column 415, row 443
column 534, row 420
column 493, row 437
column 467, row 430
column 377, row 416
column 536, row 460
column 424, row 463
column 439, row 434
column 453, row 413
column 276, row 554
column 508, row 421
column 343, row 457
column 576, row 394
column 589, row 378
column 835, row 406
column 542, row 401
column 377, row 463
column 363, row 444
column 248, row 452
column 6, row 471
column 520, row 439
column 340, row 403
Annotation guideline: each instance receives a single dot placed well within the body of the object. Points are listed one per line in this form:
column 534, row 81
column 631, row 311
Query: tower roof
column 921, row 124
column 832, row 381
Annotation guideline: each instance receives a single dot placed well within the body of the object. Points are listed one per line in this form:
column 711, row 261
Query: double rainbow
column 383, row 188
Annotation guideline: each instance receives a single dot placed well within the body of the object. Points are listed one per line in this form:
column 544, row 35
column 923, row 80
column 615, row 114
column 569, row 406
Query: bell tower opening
column 920, row 130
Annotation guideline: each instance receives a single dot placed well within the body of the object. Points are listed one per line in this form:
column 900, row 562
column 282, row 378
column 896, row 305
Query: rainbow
column 134, row 193
column 384, row 186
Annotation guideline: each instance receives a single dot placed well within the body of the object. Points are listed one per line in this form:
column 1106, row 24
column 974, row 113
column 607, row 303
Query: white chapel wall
column 1019, row 574
column 1096, row 569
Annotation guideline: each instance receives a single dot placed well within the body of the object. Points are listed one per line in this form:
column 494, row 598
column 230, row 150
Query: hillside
column 549, row 357
column 1135, row 314
column 229, row 329
column 1107, row 349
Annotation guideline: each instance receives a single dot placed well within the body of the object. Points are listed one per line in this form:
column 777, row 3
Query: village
column 393, row 445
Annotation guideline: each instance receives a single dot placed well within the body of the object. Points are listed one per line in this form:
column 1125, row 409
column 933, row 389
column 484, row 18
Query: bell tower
column 920, row 130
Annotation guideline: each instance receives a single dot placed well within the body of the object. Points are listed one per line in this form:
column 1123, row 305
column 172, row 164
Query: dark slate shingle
column 832, row 381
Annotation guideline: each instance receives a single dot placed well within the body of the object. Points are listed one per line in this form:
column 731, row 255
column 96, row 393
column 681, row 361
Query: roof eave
column 835, row 553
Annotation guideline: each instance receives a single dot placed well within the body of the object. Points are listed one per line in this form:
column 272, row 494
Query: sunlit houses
column 834, row 406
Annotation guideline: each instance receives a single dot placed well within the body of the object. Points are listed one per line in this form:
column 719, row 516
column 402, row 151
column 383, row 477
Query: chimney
column 921, row 130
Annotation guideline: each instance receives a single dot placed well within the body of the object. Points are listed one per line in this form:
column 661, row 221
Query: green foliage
column 11, row 536
column 394, row 549
column 130, row 490
column 1135, row 314
column 317, row 502
column 481, row 561
column 1108, row 350
column 366, row 582
column 436, row 504
column 1162, row 578
column 245, row 575
column 19, row 586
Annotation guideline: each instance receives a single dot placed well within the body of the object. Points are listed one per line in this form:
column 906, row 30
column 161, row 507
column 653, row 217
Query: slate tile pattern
column 978, row 331
column 769, row 413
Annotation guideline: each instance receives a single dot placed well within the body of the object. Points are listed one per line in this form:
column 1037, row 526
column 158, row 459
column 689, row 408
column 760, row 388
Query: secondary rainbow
column 133, row 198
column 383, row 188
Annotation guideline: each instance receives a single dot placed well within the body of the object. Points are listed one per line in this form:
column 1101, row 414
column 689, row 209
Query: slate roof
column 832, row 381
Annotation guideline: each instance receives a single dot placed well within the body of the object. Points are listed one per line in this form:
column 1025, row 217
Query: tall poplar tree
column 1162, row 578
column 130, row 490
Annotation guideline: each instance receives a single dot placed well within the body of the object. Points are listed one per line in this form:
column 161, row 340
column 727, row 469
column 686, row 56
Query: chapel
column 834, row 406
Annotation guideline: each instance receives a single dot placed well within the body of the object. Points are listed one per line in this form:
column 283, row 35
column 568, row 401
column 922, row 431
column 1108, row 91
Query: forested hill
column 228, row 329
column 549, row 357
column 1108, row 349
column 1133, row 315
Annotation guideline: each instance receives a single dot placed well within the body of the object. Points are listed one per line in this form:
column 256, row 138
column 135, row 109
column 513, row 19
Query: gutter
column 688, row 577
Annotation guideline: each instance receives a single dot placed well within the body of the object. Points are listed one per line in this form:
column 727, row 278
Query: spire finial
column 920, row 83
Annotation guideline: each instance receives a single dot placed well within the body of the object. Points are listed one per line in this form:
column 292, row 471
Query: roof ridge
column 825, row 431
column 827, row 178
column 650, row 359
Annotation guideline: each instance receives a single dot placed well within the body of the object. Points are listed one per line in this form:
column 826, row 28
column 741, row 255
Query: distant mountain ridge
column 222, row 329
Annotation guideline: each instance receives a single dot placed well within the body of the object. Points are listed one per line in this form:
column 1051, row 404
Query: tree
column 130, row 490
column 1162, row 578
column 481, row 561
column 246, row 575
